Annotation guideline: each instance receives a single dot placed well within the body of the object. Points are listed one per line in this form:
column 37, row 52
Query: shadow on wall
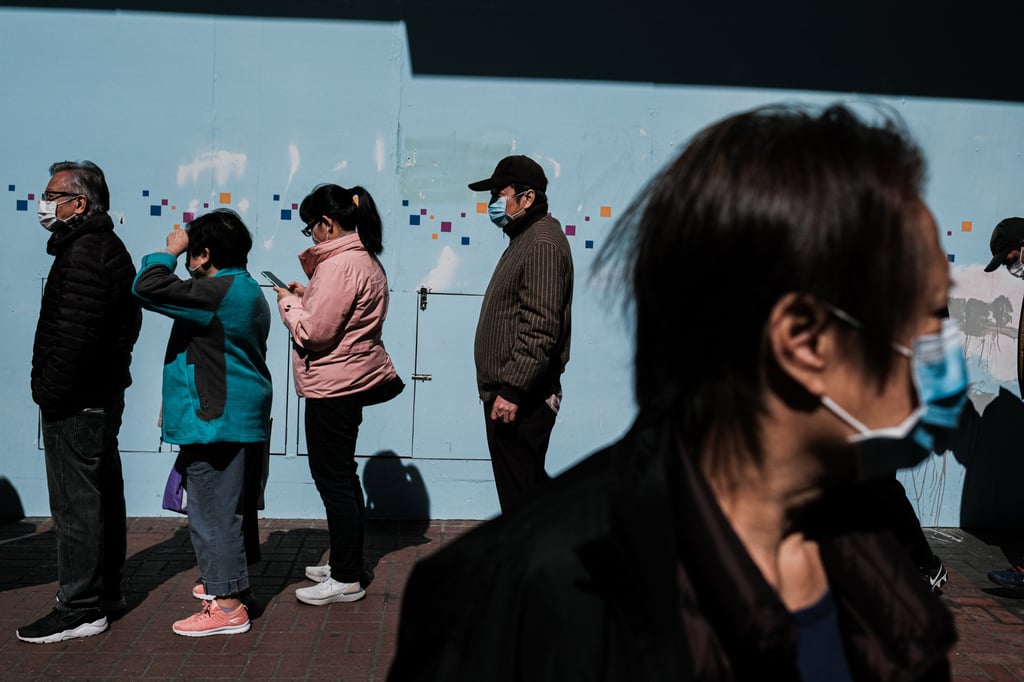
column 395, row 491
column 10, row 502
column 991, row 448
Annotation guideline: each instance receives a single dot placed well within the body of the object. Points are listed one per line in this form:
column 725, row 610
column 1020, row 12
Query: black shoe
column 113, row 604
column 935, row 574
column 59, row 625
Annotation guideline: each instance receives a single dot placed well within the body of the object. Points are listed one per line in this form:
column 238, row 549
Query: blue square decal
column 589, row 244
column 22, row 204
column 154, row 209
column 405, row 202
column 277, row 197
column 145, row 192
column 465, row 241
column 286, row 214
column 951, row 257
column 414, row 219
column 10, row 188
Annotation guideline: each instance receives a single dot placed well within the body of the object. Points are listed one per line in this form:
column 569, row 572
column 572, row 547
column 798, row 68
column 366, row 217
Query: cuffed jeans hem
column 227, row 588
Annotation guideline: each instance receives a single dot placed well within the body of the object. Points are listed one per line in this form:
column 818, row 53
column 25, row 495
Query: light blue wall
column 182, row 109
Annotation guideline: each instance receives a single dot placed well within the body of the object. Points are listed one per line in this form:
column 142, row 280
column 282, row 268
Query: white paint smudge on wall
column 379, row 153
column 224, row 165
column 243, row 206
column 443, row 274
column 293, row 157
column 556, row 167
column 341, row 165
column 986, row 306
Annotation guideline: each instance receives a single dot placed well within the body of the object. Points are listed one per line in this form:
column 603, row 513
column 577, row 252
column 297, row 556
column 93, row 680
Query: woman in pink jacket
column 340, row 365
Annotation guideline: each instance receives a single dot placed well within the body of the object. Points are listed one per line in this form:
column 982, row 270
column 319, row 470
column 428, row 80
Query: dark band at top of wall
column 940, row 49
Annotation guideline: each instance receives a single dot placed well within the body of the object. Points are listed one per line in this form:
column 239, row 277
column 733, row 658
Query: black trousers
column 332, row 425
column 518, row 450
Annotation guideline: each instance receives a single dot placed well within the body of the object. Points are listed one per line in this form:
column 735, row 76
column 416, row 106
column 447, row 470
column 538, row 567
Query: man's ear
column 799, row 340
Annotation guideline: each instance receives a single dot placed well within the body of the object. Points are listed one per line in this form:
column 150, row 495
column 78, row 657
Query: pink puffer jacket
column 336, row 325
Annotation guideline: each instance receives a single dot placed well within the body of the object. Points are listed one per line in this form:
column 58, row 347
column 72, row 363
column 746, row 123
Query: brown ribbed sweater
column 522, row 337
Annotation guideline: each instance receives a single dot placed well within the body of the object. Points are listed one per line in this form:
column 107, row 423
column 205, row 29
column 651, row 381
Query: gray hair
column 86, row 179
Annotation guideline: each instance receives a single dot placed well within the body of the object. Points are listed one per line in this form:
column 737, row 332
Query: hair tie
column 355, row 199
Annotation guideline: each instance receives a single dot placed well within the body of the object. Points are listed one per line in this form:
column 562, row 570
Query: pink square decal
column 446, row 226
column 423, row 211
column 295, row 207
column 188, row 216
column 570, row 230
column 163, row 202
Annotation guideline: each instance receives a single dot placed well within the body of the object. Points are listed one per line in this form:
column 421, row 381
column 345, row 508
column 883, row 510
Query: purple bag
column 175, row 497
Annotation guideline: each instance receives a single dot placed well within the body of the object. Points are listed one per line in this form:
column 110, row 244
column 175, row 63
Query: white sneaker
column 318, row 573
column 329, row 591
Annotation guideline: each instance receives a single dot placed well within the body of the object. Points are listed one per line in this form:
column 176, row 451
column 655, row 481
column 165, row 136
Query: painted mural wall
column 187, row 113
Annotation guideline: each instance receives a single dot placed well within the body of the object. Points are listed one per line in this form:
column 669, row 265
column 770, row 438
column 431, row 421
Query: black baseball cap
column 1007, row 236
column 513, row 170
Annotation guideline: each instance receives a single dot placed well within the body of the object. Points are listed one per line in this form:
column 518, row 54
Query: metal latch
column 422, row 377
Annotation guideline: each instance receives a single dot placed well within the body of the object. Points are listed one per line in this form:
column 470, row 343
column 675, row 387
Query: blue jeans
column 83, row 474
column 215, row 480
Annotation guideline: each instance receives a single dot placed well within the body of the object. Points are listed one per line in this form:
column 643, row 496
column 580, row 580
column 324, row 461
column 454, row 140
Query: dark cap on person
column 1008, row 235
column 513, row 170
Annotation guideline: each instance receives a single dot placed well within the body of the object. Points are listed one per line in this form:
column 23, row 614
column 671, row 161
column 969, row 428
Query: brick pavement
column 292, row 641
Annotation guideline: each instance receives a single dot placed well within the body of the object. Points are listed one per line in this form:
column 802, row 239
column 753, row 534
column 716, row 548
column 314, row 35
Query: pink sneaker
column 212, row 620
column 199, row 592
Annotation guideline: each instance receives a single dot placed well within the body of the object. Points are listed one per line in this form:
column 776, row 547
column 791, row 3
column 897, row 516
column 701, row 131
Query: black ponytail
column 353, row 209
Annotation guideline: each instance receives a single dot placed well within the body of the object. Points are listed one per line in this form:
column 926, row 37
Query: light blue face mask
column 939, row 372
column 496, row 210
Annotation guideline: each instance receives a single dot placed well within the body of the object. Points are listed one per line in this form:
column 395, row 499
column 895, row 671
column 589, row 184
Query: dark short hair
column 224, row 234
column 88, row 180
column 761, row 204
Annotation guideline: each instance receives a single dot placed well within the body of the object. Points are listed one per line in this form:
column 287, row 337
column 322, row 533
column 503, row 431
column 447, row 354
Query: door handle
column 422, row 377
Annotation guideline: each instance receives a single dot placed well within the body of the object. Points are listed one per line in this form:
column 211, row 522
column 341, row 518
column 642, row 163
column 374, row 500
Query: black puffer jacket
column 88, row 322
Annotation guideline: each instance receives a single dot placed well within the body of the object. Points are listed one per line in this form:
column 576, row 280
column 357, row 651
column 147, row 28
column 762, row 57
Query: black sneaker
column 58, row 625
column 1010, row 577
column 935, row 574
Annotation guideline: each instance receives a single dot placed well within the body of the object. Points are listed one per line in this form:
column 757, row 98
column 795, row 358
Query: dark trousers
column 518, row 450
column 332, row 425
column 83, row 474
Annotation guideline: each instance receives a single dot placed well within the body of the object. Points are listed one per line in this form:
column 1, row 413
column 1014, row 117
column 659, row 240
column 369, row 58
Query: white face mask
column 1017, row 268
column 48, row 212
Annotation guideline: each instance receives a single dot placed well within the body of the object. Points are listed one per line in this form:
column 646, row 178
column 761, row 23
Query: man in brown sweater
column 522, row 337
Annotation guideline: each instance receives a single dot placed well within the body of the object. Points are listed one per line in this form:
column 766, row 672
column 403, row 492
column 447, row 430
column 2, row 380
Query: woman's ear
column 800, row 341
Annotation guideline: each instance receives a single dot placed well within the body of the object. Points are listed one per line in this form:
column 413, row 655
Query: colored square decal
column 481, row 207
column 177, row 226
column 277, row 197
column 173, row 207
column 154, row 209
column 446, row 226
column 570, row 230
column 405, row 202
column 286, row 214
column 10, row 188
column 188, row 216
column 145, row 192
column 205, row 205
column 295, row 207
column 949, row 233
column 586, row 219
column 434, row 236
column 951, row 257
column 465, row 241
column 463, row 215
column 423, row 211
column 22, row 204
column 31, row 197
column 966, row 226
column 163, row 202
column 225, row 197
column 589, row 243
column 606, row 211
column 414, row 219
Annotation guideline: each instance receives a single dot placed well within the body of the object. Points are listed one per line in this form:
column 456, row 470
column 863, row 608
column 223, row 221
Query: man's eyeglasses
column 307, row 231
column 52, row 196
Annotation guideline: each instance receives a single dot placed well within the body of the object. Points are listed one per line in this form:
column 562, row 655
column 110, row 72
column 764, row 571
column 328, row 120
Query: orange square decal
column 606, row 211
column 966, row 226
column 481, row 207
column 225, row 197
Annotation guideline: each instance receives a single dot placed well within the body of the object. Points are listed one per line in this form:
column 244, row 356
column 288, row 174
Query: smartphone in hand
column 274, row 279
